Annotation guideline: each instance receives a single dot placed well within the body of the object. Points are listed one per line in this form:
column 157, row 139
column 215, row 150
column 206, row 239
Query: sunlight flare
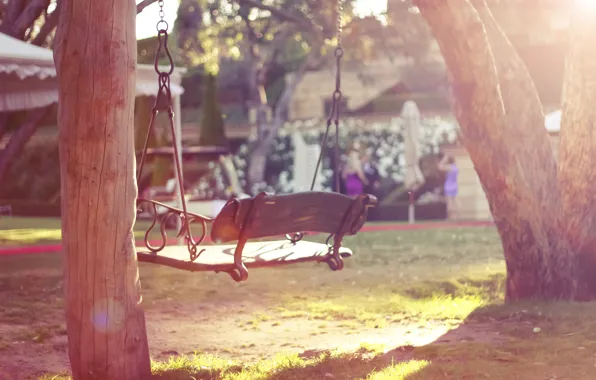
column 586, row 4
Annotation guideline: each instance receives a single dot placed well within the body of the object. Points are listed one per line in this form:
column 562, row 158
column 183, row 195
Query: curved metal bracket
column 173, row 213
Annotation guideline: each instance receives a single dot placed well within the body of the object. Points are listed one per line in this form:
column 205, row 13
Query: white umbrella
column 411, row 116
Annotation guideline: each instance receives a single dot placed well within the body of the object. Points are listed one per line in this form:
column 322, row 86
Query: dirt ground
column 229, row 331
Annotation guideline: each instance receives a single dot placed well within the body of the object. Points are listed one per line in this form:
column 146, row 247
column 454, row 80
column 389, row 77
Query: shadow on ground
column 526, row 341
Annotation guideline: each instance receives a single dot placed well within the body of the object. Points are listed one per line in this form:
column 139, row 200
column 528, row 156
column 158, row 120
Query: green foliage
column 410, row 34
column 281, row 32
column 212, row 124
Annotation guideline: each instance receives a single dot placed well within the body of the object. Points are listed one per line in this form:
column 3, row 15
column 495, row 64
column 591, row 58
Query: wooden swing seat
column 220, row 258
column 266, row 216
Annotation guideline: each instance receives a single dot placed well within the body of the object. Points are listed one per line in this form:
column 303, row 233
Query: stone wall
column 471, row 199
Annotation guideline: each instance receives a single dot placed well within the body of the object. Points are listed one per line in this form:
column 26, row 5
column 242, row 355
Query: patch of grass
column 60, row 376
column 374, row 306
column 28, row 231
column 39, row 334
column 328, row 364
column 399, row 371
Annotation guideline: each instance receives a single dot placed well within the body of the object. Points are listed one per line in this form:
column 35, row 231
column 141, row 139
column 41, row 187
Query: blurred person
column 353, row 172
column 450, row 187
column 372, row 175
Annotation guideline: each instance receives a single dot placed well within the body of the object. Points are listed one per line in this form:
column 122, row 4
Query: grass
column 15, row 231
column 555, row 341
column 417, row 279
column 30, row 231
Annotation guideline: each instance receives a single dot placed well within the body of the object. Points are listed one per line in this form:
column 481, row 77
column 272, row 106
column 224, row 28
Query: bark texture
column 511, row 175
column 539, row 168
column 577, row 149
column 95, row 54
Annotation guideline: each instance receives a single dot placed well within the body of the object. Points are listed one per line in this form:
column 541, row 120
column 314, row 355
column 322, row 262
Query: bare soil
column 227, row 330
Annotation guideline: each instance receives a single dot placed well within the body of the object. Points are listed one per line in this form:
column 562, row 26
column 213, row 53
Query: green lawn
column 450, row 278
column 27, row 231
column 31, row 231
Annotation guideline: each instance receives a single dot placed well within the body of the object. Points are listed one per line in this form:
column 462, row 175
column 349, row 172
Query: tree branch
column 19, row 138
column 290, row 88
column 52, row 21
column 48, row 26
column 11, row 14
column 28, row 17
column 252, row 34
column 279, row 44
column 144, row 4
column 278, row 13
column 3, row 123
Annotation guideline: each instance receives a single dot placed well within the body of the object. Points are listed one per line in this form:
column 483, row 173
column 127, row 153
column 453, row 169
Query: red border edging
column 54, row 248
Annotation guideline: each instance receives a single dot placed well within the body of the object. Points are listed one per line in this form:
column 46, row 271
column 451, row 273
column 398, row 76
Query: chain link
column 162, row 24
column 339, row 8
column 335, row 106
column 162, row 47
column 339, row 53
column 163, row 102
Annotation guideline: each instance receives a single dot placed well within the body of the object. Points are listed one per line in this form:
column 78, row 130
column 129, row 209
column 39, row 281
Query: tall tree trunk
column 18, row 140
column 536, row 269
column 96, row 60
column 212, row 129
column 577, row 150
column 539, row 168
column 258, row 157
column 255, row 173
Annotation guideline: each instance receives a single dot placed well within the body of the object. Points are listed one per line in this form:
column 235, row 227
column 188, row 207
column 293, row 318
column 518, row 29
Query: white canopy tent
column 28, row 80
column 28, row 77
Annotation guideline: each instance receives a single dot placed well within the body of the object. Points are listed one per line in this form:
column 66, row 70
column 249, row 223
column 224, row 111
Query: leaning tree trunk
column 258, row 157
column 577, row 151
column 526, row 128
column 96, row 60
column 19, row 139
column 502, row 166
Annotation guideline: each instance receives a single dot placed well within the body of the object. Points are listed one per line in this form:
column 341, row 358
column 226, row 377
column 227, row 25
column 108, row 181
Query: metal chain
column 162, row 14
column 335, row 107
column 333, row 118
column 163, row 102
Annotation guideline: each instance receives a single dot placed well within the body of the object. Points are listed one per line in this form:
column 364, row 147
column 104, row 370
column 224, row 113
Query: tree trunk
column 577, row 149
column 258, row 157
column 508, row 170
column 212, row 129
column 526, row 128
column 18, row 140
column 96, row 60
column 255, row 173
column 3, row 123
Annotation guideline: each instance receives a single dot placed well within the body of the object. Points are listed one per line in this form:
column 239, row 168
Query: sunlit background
column 147, row 19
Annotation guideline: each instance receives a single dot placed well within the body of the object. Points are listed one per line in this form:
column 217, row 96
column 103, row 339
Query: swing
column 262, row 216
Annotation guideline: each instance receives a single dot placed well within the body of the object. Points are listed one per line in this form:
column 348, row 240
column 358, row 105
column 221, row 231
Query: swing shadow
column 258, row 257
column 410, row 362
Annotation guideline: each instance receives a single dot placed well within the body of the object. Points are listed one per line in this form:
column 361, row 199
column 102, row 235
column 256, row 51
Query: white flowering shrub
column 384, row 141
